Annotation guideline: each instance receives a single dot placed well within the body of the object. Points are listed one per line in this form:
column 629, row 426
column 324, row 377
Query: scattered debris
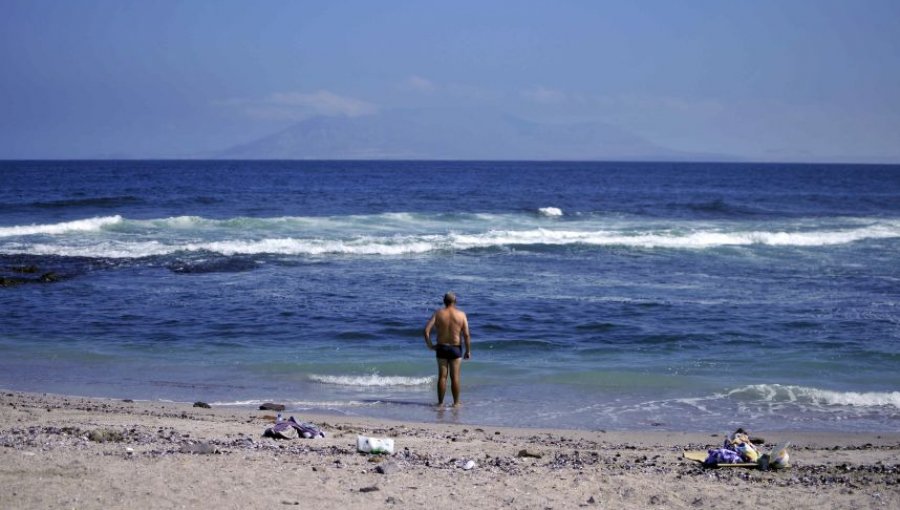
column 106, row 436
column 387, row 468
column 201, row 448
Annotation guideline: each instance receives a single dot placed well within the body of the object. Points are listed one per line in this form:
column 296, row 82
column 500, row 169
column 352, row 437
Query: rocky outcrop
column 14, row 276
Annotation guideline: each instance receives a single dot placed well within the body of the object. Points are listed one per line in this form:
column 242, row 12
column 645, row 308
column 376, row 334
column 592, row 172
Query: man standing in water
column 451, row 323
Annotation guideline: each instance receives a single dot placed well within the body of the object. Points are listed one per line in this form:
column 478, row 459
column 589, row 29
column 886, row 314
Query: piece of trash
column 201, row 448
column 469, row 465
column 129, row 451
column 375, row 445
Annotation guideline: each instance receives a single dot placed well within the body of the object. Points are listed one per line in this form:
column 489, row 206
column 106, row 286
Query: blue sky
column 787, row 80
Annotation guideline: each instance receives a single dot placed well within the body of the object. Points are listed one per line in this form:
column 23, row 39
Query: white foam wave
column 371, row 380
column 288, row 246
column 327, row 223
column 298, row 404
column 550, row 211
column 803, row 394
column 86, row 225
column 671, row 239
column 402, row 234
column 104, row 249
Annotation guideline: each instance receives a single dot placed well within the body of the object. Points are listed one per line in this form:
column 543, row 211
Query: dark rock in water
column 49, row 277
column 203, row 448
column 204, row 405
column 128, row 401
column 216, row 265
column 268, row 406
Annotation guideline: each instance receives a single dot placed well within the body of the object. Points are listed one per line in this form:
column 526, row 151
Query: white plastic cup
column 375, row 444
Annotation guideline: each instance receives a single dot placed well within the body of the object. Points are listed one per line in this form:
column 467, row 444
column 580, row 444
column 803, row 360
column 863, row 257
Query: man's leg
column 442, row 380
column 454, row 379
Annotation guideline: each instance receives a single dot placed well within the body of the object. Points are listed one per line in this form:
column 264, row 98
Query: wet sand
column 73, row 452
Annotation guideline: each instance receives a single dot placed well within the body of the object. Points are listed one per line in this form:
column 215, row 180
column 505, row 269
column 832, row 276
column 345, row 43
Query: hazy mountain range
column 423, row 134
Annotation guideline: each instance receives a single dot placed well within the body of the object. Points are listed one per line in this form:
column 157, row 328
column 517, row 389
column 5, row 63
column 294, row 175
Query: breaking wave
column 550, row 211
column 86, row 225
column 408, row 234
column 777, row 393
column 294, row 405
column 371, row 380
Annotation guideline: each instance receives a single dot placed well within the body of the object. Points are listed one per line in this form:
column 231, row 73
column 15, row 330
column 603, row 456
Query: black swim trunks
column 445, row 351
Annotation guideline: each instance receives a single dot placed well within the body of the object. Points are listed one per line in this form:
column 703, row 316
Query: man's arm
column 467, row 337
column 427, row 331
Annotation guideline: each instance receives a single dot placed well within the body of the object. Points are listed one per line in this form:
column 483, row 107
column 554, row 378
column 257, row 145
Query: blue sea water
column 600, row 295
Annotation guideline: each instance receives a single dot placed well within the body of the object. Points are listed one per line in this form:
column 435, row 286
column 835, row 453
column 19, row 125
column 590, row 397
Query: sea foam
column 86, row 225
column 775, row 393
column 398, row 234
column 550, row 211
column 371, row 380
column 296, row 404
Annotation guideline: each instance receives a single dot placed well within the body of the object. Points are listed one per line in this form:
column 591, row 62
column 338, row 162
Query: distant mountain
column 422, row 134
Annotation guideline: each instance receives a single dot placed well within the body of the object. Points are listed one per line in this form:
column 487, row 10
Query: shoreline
column 66, row 451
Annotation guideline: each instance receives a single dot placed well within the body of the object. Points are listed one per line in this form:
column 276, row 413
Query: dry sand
column 73, row 452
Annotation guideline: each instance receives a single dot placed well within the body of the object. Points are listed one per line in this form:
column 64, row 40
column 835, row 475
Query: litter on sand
column 738, row 451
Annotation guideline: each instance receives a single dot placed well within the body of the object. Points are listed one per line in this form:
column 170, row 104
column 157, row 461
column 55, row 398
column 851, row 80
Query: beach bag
column 779, row 458
column 722, row 456
column 281, row 430
column 305, row 430
column 748, row 452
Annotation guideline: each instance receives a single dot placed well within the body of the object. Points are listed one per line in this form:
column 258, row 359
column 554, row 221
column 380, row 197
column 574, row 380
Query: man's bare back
column 452, row 328
column 449, row 323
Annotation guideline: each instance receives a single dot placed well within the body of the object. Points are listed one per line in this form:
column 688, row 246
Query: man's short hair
column 449, row 298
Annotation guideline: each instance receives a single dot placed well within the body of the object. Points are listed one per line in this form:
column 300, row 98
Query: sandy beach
column 73, row 452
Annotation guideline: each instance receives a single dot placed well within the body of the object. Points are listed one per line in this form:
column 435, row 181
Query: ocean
column 601, row 296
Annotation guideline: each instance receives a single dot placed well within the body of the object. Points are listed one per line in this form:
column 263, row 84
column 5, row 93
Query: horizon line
column 452, row 160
